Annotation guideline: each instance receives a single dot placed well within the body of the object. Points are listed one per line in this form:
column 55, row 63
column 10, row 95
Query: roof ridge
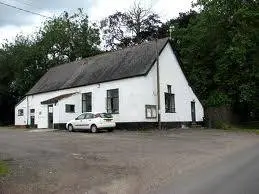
column 84, row 60
column 120, row 64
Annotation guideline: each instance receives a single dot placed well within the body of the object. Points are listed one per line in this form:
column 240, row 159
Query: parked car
column 92, row 122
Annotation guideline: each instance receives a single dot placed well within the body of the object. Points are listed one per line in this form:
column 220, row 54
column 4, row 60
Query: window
column 87, row 102
column 151, row 111
column 89, row 116
column 103, row 115
column 113, row 101
column 32, row 116
column 169, row 103
column 80, row 117
column 20, row 112
column 70, row 108
column 169, row 89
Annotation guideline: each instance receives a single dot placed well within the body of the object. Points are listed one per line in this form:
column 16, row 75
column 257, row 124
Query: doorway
column 32, row 117
column 193, row 112
column 50, row 116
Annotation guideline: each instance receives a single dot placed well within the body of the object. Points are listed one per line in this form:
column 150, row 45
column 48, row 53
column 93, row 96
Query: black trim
column 135, row 126
column 60, row 126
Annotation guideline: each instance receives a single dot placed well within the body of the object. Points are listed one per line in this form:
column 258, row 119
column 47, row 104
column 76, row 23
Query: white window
column 151, row 111
column 70, row 108
column 112, row 101
column 20, row 112
column 87, row 102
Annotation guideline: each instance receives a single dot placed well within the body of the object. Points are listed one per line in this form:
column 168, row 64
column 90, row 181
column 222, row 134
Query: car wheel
column 70, row 128
column 94, row 129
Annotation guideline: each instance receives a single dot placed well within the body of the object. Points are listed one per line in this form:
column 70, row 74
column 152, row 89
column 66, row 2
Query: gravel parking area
column 120, row 162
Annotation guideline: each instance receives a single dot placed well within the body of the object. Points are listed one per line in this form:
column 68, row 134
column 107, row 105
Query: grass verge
column 3, row 168
column 240, row 128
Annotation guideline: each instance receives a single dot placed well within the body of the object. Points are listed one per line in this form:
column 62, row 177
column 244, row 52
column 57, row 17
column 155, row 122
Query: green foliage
column 217, row 99
column 67, row 38
column 237, row 128
column 3, row 168
column 218, row 45
column 131, row 27
column 62, row 39
column 219, row 50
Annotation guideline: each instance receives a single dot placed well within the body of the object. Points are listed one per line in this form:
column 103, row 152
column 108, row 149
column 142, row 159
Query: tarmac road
column 235, row 174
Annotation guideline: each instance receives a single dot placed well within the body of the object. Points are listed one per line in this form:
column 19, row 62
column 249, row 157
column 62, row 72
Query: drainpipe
column 27, row 111
column 158, row 88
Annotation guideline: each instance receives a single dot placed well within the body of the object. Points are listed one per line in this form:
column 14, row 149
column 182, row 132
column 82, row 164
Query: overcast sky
column 13, row 21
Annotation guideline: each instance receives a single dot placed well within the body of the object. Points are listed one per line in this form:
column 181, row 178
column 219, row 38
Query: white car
column 92, row 122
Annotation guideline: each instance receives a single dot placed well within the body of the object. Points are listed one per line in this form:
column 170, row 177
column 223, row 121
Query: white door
column 79, row 122
column 88, row 120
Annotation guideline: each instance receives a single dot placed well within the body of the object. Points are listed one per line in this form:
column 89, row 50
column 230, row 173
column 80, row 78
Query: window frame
column 20, row 112
column 172, row 104
column 87, row 94
column 77, row 118
column 148, row 106
column 69, row 110
column 111, row 97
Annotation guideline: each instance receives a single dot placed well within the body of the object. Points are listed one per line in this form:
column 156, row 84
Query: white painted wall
column 21, row 120
column 171, row 74
column 134, row 94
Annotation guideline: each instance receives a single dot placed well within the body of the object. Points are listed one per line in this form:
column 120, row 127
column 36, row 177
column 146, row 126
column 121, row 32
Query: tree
column 22, row 62
column 132, row 27
column 219, row 49
column 67, row 38
column 182, row 21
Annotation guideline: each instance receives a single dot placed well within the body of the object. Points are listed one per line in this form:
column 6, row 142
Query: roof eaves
column 65, row 88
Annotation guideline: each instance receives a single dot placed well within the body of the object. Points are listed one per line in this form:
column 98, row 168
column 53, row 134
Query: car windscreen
column 104, row 115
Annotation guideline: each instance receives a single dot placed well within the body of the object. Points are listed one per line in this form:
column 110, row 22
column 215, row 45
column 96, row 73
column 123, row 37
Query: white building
column 123, row 83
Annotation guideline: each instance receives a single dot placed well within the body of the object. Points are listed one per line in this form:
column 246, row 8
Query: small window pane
column 153, row 108
column 89, row 116
column 169, row 103
column 112, row 101
column 151, row 111
column 82, row 116
column 20, row 112
column 70, row 108
column 87, row 102
column 116, row 105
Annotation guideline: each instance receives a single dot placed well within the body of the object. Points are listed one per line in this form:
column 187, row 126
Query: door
column 50, row 116
column 193, row 112
column 78, row 123
column 88, row 120
column 32, row 117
